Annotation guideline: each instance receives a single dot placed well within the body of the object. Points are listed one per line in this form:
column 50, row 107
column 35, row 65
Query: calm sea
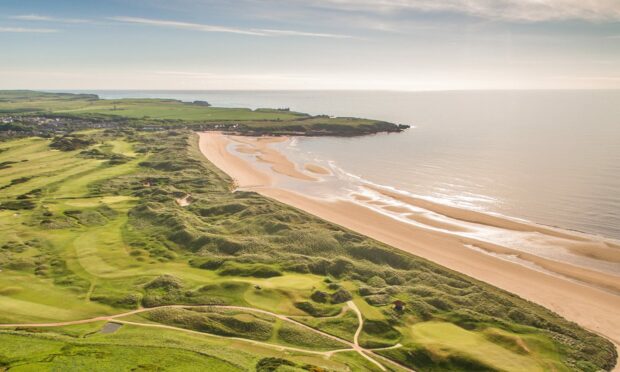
column 551, row 157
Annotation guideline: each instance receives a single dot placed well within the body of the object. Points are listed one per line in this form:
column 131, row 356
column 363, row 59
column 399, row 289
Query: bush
column 380, row 329
column 255, row 270
column 339, row 267
column 317, row 310
column 378, row 299
column 319, row 296
column 127, row 301
column 167, row 282
column 376, row 282
column 341, row 295
column 15, row 205
column 272, row 364
column 212, row 264
column 439, row 303
column 70, row 143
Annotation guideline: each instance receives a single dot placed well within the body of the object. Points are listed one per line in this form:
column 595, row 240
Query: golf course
column 123, row 248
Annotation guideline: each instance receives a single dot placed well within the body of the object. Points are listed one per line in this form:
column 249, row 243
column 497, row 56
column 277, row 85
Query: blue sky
column 322, row 44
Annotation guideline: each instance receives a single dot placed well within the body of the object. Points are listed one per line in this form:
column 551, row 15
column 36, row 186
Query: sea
column 547, row 156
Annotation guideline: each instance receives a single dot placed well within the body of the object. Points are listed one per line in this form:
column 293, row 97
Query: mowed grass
column 33, row 354
column 168, row 109
column 28, row 299
column 499, row 349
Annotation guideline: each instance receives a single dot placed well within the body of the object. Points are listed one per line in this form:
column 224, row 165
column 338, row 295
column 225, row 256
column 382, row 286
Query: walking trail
column 352, row 346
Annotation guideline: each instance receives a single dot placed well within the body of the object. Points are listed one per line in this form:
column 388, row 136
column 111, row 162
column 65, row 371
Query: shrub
column 378, row 300
column 341, row 295
column 340, row 266
column 272, row 364
column 319, row 296
column 381, row 329
column 376, row 282
column 317, row 310
column 212, row 264
column 167, row 282
column 15, row 205
column 255, row 270
column 70, row 143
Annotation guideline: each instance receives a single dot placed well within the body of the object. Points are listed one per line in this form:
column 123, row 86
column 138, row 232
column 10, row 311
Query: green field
column 96, row 231
column 174, row 113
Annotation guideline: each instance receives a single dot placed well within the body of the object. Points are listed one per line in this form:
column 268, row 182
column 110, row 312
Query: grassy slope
column 103, row 237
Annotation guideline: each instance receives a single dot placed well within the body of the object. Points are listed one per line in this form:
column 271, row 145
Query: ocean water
column 551, row 157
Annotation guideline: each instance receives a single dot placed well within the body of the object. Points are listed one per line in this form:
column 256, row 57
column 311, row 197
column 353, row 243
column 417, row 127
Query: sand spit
column 259, row 146
column 587, row 297
column 316, row 169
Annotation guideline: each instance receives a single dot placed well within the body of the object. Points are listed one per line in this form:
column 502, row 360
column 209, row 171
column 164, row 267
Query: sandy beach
column 584, row 295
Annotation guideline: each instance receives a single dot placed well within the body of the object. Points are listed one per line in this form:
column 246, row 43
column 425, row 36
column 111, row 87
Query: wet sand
column 263, row 153
column 316, row 169
column 588, row 297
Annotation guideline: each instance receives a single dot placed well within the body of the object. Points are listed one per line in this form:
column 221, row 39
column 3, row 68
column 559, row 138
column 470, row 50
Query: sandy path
column 116, row 318
column 356, row 344
column 591, row 307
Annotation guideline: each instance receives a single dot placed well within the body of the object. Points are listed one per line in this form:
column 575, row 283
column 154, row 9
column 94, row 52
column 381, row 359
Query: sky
column 303, row 44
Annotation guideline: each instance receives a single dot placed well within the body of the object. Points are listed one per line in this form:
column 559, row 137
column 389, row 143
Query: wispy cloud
column 301, row 33
column 43, row 18
column 185, row 25
column 27, row 30
column 213, row 28
column 513, row 10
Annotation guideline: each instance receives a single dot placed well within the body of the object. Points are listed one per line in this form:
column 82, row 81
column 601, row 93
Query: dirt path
column 352, row 346
column 362, row 351
column 360, row 325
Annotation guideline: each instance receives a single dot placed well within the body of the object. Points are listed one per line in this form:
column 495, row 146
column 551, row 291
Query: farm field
column 174, row 113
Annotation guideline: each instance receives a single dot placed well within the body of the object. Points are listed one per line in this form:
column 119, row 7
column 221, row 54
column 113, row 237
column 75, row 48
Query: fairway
column 446, row 338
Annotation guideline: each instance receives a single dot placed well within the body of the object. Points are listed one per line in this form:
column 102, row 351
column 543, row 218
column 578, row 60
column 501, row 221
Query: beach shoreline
column 587, row 297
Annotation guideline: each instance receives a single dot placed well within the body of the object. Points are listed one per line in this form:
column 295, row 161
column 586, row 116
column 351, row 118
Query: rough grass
column 38, row 354
column 342, row 325
column 291, row 334
column 218, row 322
column 102, row 237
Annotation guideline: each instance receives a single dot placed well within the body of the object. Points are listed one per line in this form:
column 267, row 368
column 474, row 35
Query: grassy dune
column 97, row 230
